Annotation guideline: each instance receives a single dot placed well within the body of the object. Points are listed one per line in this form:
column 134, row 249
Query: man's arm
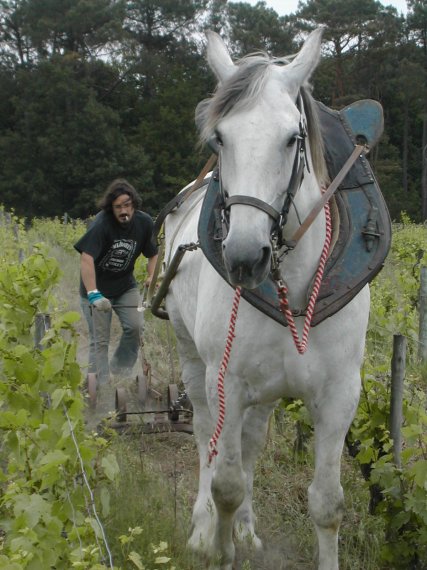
column 95, row 298
column 151, row 265
column 87, row 268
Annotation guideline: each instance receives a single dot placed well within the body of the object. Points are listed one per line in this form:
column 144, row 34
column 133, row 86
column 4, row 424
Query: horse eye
column 292, row 140
column 218, row 139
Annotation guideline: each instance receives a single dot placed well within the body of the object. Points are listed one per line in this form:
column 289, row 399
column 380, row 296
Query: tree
column 64, row 146
column 351, row 27
column 15, row 44
column 417, row 26
column 38, row 29
column 93, row 89
column 258, row 28
column 169, row 76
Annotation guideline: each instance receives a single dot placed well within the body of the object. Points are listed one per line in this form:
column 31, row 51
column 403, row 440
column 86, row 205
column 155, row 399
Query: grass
column 158, row 485
column 153, row 493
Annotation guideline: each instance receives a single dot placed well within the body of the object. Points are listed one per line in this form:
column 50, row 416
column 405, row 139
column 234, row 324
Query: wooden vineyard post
column 16, row 235
column 397, row 379
column 42, row 325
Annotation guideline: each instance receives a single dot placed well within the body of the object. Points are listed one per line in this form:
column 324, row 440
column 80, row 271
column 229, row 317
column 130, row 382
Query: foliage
column 394, row 293
column 398, row 495
column 42, row 465
column 56, row 485
column 402, row 500
column 13, row 237
column 55, row 231
column 158, row 552
column 50, row 467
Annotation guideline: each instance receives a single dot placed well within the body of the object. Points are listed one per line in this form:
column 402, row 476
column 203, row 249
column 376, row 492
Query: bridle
column 296, row 179
column 297, row 175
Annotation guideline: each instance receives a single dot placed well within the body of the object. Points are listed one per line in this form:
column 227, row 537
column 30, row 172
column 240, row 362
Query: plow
column 142, row 406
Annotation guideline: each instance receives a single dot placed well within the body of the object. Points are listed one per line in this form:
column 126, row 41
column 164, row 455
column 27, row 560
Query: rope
column 282, row 291
column 301, row 345
column 212, row 449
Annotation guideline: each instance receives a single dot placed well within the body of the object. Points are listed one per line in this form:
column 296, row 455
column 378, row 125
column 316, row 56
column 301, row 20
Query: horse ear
column 305, row 62
column 218, row 57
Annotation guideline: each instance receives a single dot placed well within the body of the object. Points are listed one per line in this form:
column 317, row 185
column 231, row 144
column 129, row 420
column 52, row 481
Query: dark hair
column 115, row 189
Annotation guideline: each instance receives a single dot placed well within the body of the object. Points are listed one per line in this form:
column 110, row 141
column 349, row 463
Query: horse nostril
column 266, row 254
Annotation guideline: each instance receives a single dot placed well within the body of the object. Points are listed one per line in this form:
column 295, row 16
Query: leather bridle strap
column 358, row 150
column 252, row 201
column 294, row 184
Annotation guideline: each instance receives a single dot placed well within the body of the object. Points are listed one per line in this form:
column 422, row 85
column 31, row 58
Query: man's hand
column 100, row 302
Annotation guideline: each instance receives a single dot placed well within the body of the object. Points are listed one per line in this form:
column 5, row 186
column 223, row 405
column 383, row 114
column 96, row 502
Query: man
column 109, row 249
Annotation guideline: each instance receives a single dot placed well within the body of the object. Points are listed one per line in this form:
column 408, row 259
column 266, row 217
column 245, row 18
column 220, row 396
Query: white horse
column 257, row 116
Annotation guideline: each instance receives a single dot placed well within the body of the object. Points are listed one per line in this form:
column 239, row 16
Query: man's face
column 123, row 209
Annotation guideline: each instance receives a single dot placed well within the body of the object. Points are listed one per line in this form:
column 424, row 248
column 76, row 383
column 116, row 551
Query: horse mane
column 242, row 90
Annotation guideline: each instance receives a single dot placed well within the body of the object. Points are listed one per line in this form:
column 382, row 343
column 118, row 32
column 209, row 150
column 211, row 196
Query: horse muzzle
column 246, row 267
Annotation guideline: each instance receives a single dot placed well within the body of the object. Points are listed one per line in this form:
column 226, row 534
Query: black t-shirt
column 114, row 249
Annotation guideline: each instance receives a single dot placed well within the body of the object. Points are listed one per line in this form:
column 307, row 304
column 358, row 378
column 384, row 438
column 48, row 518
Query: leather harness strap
column 358, row 150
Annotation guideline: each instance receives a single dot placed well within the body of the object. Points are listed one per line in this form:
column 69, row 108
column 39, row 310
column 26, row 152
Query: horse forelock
column 243, row 89
column 239, row 91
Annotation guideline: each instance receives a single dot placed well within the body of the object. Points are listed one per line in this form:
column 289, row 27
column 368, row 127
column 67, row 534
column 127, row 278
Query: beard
column 124, row 220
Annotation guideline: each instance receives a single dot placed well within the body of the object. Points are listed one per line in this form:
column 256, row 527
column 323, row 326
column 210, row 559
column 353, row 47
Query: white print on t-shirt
column 119, row 255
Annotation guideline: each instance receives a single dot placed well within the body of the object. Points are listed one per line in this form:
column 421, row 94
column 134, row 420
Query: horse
column 237, row 362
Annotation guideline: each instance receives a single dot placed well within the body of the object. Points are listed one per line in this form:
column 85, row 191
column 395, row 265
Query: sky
column 283, row 7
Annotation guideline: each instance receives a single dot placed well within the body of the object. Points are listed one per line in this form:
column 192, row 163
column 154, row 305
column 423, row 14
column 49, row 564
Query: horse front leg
column 204, row 515
column 228, row 478
column 332, row 419
column 255, row 427
column 194, row 375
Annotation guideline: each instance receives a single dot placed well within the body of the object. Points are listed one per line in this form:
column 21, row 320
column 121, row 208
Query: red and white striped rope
column 301, row 345
column 221, row 375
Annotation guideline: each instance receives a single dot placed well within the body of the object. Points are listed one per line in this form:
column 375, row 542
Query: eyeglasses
column 123, row 206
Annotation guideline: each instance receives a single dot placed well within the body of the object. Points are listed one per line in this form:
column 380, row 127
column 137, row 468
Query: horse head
column 256, row 121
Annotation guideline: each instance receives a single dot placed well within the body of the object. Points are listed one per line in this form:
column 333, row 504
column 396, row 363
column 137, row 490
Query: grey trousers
column 99, row 323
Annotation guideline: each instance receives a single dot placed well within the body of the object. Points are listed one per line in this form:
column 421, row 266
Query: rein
column 282, row 290
column 212, row 450
column 301, row 345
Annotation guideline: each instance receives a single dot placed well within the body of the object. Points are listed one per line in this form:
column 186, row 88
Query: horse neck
column 299, row 266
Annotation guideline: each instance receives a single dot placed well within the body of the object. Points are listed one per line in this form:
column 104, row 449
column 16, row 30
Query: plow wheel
column 173, row 395
column 91, row 388
column 121, row 404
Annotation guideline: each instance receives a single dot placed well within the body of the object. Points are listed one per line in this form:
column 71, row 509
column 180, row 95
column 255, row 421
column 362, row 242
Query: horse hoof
column 252, row 541
column 245, row 534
